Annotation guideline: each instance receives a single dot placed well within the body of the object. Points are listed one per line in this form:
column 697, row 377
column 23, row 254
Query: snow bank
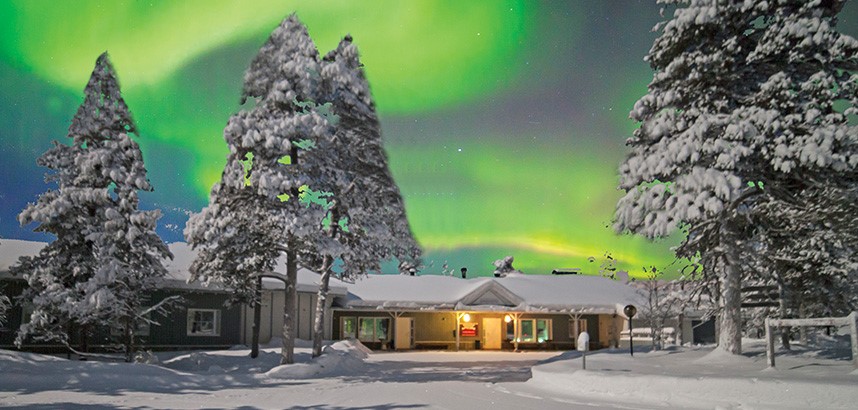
column 697, row 379
column 341, row 358
column 17, row 358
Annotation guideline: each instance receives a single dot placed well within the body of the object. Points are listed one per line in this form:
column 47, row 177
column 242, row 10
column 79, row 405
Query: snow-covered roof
column 575, row 292
column 177, row 269
column 515, row 292
column 12, row 249
column 308, row 281
column 410, row 291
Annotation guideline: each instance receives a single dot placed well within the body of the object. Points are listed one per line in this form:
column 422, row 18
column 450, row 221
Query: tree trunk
column 257, row 319
column 290, row 305
column 129, row 341
column 802, row 330
column 730, row 338
column 677, row 332
column 290, row 308
column 782, row 309
column 70, row 334
column 84, row 338
column 324, row 287
column 321, row 304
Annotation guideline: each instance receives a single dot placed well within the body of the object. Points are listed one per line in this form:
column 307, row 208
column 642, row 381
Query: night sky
column 504, row 121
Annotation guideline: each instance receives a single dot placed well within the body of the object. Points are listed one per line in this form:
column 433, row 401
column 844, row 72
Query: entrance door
column 404, row 336
column 492, row 331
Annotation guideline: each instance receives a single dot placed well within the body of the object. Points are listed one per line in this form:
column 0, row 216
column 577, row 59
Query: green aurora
column 504, row 120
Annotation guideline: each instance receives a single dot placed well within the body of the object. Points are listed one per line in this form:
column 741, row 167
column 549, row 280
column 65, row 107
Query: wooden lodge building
column 513, row 312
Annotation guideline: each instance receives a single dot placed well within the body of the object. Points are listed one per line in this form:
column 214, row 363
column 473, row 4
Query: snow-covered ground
column 348, row 376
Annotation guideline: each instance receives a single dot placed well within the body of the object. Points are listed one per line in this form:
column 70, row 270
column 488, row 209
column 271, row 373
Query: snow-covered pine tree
column 106, row 258
column 811, row 243
column 742, row 108
column 266, row 150
column 236, row 237
column 367, row 214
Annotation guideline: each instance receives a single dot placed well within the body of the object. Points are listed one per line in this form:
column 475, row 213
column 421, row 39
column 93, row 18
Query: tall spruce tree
column 367, row 216
column 263, row 179
column 316, row 171
column 742, row 110
column 106, row 258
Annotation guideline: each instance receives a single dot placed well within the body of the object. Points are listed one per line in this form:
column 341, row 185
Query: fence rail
column 814, row 322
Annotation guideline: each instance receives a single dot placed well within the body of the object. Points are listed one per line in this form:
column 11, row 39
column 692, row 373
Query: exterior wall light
column 466, row 317
column 507, row 318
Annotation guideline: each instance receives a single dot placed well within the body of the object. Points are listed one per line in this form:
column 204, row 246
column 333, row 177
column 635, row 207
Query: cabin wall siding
column 441, row 326
column 14, row 316
column 170, row 332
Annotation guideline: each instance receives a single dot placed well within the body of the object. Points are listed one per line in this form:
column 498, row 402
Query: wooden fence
column 815, row 322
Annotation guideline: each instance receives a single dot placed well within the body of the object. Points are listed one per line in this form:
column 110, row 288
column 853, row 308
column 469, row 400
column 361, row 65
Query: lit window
column 203, row 322
column 373, row 329
column 534, row 330
column 381, row 326
column 543, row 330
column 348, row 328
column 526, row 333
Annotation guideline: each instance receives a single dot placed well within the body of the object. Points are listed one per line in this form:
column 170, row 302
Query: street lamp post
column 630, row 311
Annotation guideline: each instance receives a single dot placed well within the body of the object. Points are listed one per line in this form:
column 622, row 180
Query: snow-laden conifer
column 254, row 214
column 810, row 244
column 366, row 222
column 106, row 258
column 742, row 110
column 312, row 135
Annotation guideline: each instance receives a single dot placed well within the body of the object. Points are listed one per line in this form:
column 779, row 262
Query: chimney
column 464, row 273
column 412, row 271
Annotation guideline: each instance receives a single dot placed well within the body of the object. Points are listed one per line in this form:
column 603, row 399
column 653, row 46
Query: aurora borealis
column 504, row 120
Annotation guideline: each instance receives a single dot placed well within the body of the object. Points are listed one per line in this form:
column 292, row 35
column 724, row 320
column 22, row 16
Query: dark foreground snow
column 347, row 376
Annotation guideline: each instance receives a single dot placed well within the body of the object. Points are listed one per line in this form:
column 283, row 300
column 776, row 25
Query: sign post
column 583, row 343
column 630, row 311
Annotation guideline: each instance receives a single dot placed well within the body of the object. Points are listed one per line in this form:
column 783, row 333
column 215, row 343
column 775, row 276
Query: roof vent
column 572, row 271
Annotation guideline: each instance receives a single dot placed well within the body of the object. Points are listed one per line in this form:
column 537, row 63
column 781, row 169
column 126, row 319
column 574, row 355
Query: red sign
column 471, row 330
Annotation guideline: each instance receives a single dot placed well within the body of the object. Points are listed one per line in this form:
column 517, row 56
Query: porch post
column 770, row 344
column 458, row 317
column 575, row 330
column 853, row 329
column 517, row 332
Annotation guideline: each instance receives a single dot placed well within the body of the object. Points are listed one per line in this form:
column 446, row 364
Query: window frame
column 216, row 325
column 534, row 325
column 343, row 334
column 549, row 328
column 375, row 321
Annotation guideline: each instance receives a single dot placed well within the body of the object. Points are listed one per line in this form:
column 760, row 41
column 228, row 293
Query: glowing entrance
column 492, row 331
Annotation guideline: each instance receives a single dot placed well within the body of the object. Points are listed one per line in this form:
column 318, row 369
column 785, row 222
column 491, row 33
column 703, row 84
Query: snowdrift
column 341, row 358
